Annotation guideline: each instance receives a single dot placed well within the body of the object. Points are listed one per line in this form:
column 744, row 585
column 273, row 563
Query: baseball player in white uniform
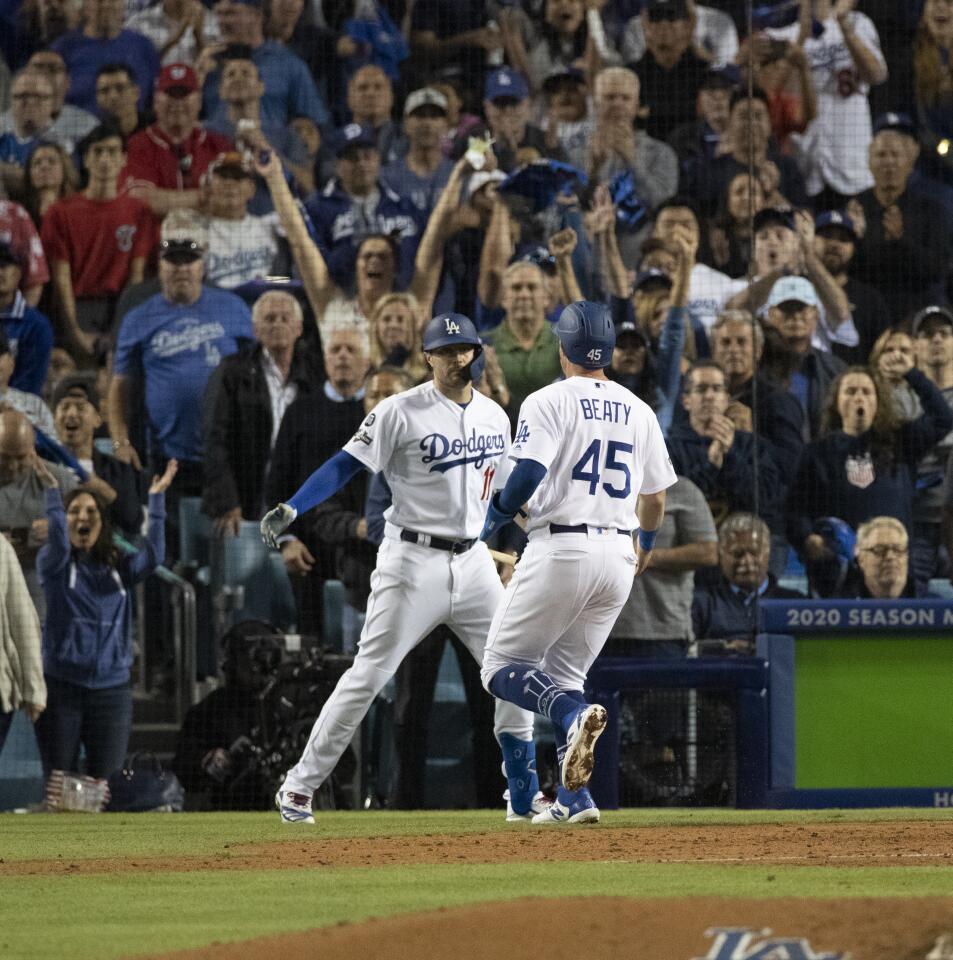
column 590, row 460
column 439, row 446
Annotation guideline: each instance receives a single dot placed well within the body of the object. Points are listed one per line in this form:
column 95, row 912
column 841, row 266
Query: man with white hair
column 617, row 147
column 337, row 406
column 883, row 558
column 245, row 402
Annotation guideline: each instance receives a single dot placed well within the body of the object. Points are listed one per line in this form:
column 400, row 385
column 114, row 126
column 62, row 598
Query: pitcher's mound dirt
column 820, row 844
column 623, row 929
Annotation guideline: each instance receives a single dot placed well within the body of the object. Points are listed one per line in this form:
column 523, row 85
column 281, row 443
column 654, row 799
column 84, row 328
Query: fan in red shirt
column 17, row 230
column 97, row 241
column 166, row 160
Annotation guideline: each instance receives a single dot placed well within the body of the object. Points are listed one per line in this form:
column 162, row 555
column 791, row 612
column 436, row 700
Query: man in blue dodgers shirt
column 171, row 344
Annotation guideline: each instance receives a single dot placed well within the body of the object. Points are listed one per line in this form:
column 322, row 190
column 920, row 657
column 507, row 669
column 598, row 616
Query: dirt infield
column 622, row 929
column 820, row 844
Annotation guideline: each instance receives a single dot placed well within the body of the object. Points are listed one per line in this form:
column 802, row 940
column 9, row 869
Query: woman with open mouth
column 87, row 638
column 864, row 464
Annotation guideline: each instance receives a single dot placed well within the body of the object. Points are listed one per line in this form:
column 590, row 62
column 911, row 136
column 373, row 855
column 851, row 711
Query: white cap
column 425, row 97
column 480, row 179
column 792, row 288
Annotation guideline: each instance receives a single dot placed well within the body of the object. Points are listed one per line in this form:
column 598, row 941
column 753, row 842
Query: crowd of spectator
column 223, row 226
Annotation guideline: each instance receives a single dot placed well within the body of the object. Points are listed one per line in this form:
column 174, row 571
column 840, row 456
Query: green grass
column 82, row 836
column 101, row 916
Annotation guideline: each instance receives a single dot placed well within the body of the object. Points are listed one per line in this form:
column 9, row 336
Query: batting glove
column 496, row 518
column 275, row 522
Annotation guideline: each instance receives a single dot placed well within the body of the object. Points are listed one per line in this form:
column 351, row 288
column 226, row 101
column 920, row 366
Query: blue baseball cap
column 354, row 137
column 899, row 122
column 505, row 84
column 572, row 76
column 834, row 218
column 726, row 76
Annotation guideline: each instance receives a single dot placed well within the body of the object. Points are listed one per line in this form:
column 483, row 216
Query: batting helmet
column 587, row 334
column 449, row 328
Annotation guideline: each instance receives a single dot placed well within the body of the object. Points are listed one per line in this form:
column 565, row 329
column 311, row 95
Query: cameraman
column 215, row 755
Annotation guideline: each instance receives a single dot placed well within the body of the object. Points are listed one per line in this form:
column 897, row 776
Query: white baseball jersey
column 834, row 148
column 440, row 459
column 708, row 292
column 602, row 447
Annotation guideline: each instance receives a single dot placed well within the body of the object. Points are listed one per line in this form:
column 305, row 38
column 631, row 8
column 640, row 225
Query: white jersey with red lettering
column 601, row 446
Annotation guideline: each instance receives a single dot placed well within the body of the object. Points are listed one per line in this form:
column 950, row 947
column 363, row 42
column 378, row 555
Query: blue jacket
column 730, row 487
column 31, row 342
column 720, row 612
column 840, row 476
column 87, row 637
column 338, row 235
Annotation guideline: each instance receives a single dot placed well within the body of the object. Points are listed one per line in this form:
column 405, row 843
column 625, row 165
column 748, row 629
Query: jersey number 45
column 587, row 468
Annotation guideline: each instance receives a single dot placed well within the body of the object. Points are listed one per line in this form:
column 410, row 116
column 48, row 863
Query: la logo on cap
column 504, row 80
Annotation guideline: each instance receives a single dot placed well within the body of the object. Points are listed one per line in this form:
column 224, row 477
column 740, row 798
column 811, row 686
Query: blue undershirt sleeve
column 326, row 481
column 521, row 485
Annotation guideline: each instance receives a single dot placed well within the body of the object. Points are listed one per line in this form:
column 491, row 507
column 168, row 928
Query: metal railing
column 184, row 633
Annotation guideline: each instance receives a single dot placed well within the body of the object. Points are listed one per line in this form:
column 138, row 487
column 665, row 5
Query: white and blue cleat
column 294, row 807
column 581, row 808
column 538, row 805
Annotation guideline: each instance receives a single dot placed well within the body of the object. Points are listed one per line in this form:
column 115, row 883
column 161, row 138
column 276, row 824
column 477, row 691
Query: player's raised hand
column 275, row 522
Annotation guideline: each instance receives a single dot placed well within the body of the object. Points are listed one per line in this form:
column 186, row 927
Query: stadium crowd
column 223, row 227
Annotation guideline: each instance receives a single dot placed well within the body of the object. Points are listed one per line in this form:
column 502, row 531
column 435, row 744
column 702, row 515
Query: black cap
column 565, row 75
column 667, row 10
column 652, row 277
column 724, row 76
column 929, row 313
column 898, row 122
column 8, row 256
column 76, row 385
column 774, row 217
column 628, row 329
column 181, row 251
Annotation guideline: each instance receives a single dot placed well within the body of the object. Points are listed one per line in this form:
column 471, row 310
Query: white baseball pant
column 413, row 589
column 566, row 593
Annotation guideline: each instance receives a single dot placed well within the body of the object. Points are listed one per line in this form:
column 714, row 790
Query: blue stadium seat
column 195, row 533
column 245, row 562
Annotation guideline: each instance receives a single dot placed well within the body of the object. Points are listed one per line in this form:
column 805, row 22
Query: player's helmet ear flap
column 449, row 328
column 587, row 334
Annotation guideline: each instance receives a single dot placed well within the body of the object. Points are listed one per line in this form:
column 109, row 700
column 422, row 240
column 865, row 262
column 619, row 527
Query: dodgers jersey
column 440, row 459
column 601, row 446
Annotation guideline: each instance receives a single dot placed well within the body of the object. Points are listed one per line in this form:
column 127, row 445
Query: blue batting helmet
column 587, row 334
column 449, row 328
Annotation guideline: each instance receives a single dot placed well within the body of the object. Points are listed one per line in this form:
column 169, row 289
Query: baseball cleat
column 581, row 809
column 581, row 738
column 539, row 804
column 293, row 807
